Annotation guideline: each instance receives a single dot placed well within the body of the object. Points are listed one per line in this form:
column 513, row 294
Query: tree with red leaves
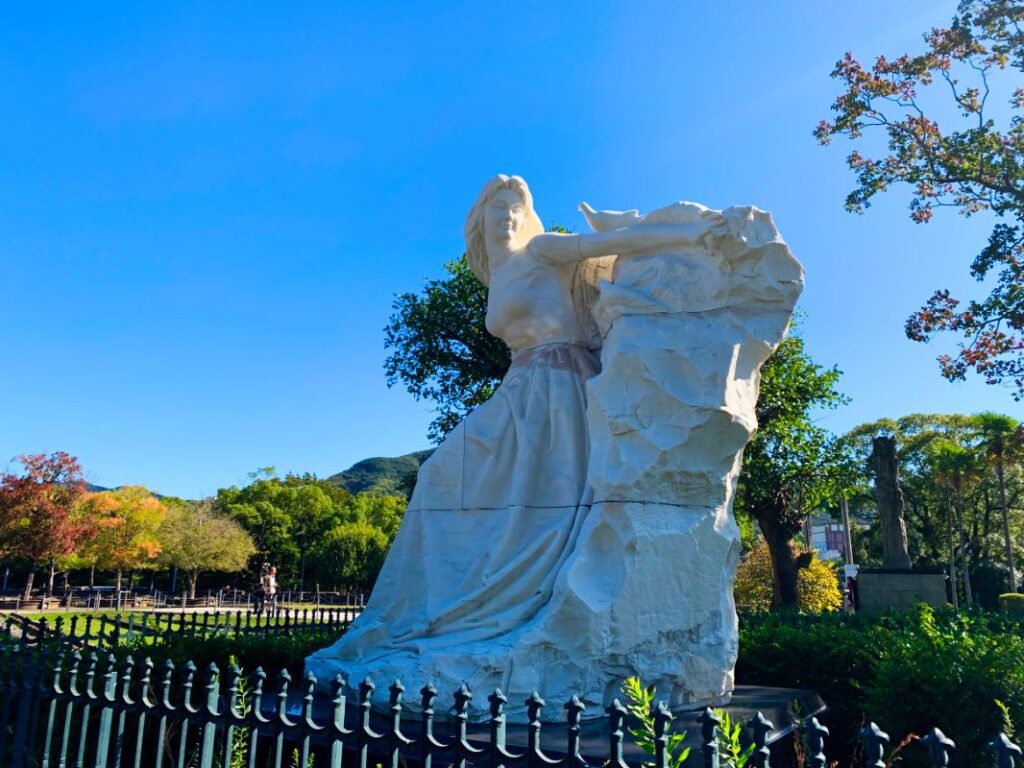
column 974, row 166
column 37, row 510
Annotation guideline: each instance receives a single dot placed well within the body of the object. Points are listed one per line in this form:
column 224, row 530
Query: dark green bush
column 908, row 672
column 1012, row 603
column 948, row 671
column 272, row 652
column 828, row 653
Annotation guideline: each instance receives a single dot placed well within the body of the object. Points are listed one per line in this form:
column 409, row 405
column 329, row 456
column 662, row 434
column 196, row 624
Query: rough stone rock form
column 576, row 528
column 889, row 497
column 648, row 589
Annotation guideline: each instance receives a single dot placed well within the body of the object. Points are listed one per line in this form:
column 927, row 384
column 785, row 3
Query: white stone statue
column 577, row 528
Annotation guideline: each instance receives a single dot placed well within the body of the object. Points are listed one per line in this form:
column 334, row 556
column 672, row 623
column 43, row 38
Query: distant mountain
column 381, row 474
column 99, row 488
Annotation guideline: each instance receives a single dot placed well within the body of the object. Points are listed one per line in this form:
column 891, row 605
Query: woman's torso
column 529, row 303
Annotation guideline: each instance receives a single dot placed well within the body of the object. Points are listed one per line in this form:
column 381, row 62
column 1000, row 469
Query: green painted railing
column 60, row 709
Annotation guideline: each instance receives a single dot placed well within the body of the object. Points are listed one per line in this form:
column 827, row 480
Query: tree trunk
column 847, row 532
column 965, row 554
column 786, row 564
column 117, row 590
column 952, row 553
column 982, row 534
column 92, row 577
column 29, row 579
column 193, row 578
column 1006, row 527
column 51, row 577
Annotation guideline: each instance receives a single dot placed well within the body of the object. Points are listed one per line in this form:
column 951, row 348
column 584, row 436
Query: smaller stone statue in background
column 889, row 498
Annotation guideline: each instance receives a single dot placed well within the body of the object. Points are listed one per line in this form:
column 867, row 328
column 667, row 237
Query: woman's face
column 504, row 216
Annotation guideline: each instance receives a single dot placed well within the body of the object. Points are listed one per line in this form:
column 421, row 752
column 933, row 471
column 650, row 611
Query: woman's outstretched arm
column 556, row 248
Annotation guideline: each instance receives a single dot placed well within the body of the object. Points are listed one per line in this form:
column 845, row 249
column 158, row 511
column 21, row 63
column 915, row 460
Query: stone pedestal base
column 775, row 703
column 890, row 589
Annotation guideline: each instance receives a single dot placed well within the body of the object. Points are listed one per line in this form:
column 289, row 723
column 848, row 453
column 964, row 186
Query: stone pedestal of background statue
column 895, row 586
column 881, row 589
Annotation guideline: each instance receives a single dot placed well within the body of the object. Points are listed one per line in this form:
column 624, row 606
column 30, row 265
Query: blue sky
column 206, row 209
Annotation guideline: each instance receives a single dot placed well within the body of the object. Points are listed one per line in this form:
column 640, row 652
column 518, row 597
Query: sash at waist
column 560, row 355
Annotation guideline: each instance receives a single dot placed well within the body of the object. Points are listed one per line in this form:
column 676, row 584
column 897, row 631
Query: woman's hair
column 476, row 242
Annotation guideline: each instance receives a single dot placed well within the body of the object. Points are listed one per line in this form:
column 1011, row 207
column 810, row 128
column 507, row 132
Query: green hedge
column 907, row 672
column 272, row 652
column 1012, row 603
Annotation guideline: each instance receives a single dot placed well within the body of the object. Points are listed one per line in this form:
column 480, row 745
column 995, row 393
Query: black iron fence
column 60, row 709
column 105, row 631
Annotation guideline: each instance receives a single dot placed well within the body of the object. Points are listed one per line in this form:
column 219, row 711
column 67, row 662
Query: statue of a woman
column 499, row 506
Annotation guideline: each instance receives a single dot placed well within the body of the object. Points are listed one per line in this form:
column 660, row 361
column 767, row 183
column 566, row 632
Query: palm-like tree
column 1002, row 440
column 955, row 467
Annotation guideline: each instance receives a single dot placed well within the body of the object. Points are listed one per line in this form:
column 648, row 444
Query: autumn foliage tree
column 973, row 162
column 127, row 522
column 37, row 511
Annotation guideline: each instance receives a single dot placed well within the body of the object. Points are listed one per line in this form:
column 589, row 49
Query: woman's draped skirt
column 496, row 511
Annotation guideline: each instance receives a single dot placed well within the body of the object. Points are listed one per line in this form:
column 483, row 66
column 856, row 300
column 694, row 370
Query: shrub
column 273, row 652
column 948, row 670
column 1012, row 603
column 908, row 672
column 822, row 653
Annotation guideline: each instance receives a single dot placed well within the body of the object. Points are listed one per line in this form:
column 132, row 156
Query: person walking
column 270, row 589
column 260, row 593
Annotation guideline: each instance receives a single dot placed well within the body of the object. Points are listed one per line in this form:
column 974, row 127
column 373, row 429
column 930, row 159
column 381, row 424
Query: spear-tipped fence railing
column 60, row 707
column 110, row 631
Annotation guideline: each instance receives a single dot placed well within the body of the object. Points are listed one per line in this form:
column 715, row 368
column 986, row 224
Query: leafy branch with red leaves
column 974, row 167
column 37, row 509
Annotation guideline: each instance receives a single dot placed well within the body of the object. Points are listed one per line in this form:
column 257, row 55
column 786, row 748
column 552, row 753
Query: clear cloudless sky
column 205, row 209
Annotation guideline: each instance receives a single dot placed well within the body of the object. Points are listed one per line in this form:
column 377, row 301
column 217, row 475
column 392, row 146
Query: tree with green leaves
column 351, row 555
column 312, row 512
column 196, row 537
column 440, row 348
column 792, row 466
column 1002, row 441
column 266, row 508
column 956, row 467
column 973, row 162
column 380, row 511
column 989, row 545
column 293, row 519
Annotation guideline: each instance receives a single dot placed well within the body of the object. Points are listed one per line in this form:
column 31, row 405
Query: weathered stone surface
column 889, row 497
column 877, row 592
column 648, row 589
